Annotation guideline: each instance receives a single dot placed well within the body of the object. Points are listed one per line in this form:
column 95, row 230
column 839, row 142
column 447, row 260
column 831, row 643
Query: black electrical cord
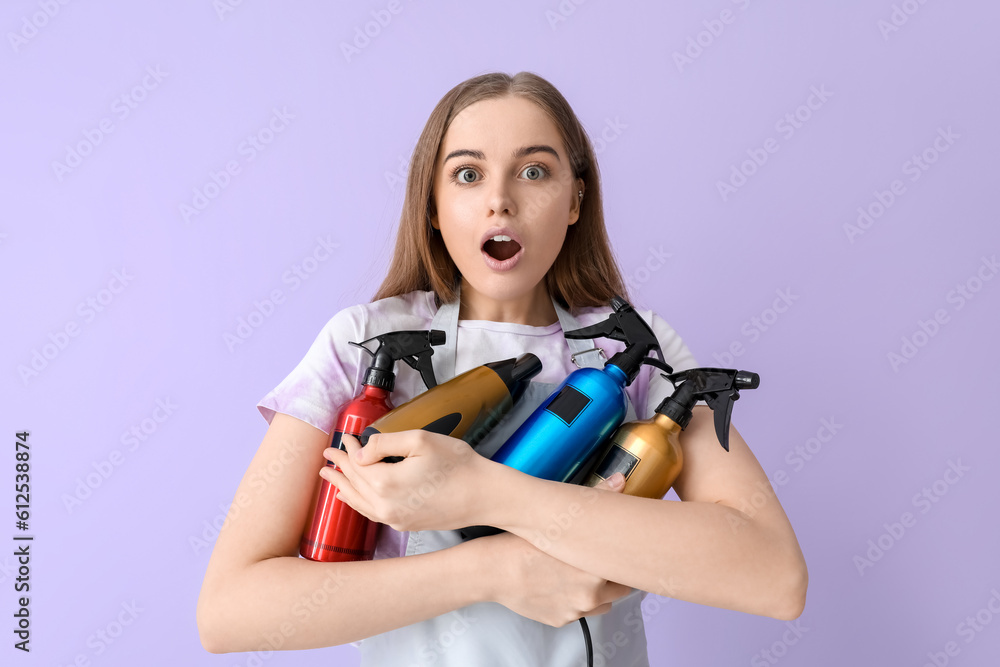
column 586, row 637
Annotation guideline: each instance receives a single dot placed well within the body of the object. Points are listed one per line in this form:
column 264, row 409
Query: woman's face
column 503, row 173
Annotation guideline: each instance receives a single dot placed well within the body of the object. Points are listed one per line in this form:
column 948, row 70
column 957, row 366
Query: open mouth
column 501, row 247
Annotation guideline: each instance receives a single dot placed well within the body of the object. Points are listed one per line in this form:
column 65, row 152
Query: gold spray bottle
column 648, row 451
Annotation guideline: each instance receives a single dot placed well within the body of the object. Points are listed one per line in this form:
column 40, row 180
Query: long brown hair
column 584, row 273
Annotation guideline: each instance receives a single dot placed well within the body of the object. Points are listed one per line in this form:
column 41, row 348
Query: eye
column 534, row 172
column 461, row 174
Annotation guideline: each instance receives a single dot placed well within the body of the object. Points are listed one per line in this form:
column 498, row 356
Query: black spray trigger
column 413, row 347
column 422, row 364
column 722, row 406
column 718, row 387
column 607, row 329
column 662, row 365
column 627, row 326
column 362, row 346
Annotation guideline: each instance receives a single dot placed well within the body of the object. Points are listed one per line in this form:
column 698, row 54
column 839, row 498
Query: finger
column 346, row 464
column 335, row 456
column 380, row 446
column 609, row 484
column 346, row 491
column 360, row 454
column 350, row 444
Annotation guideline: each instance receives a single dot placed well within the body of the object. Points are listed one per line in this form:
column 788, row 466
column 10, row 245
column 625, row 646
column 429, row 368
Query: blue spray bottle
column 564, row 432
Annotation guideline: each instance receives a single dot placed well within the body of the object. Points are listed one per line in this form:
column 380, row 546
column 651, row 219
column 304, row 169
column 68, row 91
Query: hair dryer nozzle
column 526, row 367
column 515, row 373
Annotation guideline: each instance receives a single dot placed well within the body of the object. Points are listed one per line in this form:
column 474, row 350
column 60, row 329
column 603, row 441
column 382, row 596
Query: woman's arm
column 703, row 550
column 258, row 594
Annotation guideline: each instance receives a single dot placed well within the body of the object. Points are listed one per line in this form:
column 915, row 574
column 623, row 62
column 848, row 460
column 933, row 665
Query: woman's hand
column 437, row 486
column 537, row 586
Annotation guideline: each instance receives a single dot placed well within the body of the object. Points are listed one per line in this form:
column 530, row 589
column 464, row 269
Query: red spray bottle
column 334, row 531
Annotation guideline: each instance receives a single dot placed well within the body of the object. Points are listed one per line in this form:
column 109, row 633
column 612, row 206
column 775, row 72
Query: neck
column 534, row 308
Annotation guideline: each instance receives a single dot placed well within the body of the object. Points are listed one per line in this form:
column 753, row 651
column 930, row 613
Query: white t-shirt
column 332, row 370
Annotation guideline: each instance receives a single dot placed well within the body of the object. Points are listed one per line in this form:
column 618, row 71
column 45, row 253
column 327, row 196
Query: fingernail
column 617, row 480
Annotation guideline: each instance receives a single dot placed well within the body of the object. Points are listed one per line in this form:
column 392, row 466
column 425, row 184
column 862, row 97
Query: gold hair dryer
column 467, row 407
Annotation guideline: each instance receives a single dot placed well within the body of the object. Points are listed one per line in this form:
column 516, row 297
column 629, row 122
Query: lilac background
column 328, row 175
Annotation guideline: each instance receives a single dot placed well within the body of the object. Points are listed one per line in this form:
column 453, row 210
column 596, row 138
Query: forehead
column 501, row 124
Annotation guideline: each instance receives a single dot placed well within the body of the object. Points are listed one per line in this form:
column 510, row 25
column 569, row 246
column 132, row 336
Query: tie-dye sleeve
column 326, row 378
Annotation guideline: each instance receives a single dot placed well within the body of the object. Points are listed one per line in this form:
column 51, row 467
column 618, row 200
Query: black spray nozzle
column 626, row 325
column 516, row 373
column 413, row 347
column 718, row 387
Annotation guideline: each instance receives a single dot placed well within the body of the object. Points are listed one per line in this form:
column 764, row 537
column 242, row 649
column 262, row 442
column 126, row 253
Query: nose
column 500, row 199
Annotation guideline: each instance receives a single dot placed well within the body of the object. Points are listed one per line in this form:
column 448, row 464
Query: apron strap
column 443, row 359
column 583, row 352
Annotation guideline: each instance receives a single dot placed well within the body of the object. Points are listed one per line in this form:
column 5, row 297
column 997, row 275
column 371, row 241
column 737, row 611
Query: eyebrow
column 519, row 153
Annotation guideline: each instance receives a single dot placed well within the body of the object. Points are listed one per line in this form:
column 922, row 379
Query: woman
column 502, row 244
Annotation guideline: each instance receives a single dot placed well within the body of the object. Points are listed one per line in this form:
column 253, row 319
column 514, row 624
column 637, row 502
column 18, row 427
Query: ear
column 574, row 211
column 432, row 215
